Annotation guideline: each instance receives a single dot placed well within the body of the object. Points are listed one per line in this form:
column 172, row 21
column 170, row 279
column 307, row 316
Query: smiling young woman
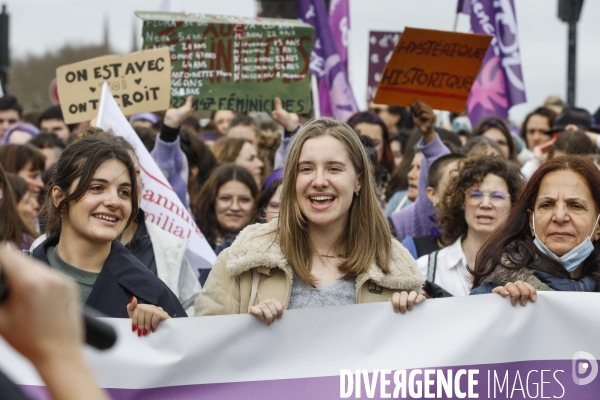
column 92, row 199
column 330, row 245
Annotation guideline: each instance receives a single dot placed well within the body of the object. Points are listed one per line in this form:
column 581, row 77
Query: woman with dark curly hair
column 551, row 238
column 476, row 202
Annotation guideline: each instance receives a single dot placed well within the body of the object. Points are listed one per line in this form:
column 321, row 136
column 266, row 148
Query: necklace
column 328, row 256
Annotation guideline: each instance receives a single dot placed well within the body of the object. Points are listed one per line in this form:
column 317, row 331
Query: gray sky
column 38, row 26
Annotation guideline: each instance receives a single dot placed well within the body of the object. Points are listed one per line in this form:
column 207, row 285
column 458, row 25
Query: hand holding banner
column 454, row 348
column 434, row 66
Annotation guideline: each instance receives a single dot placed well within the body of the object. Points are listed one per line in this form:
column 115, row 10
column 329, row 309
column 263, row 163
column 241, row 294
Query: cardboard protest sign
column 159, row 201
column 435, row 66
column 381, row 48
column 139, row 81
column 234, row 63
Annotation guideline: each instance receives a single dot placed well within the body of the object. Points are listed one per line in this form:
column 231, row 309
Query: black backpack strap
column 432, row 266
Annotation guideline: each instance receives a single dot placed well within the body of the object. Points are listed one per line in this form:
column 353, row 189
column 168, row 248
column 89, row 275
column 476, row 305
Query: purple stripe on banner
column 516, row 380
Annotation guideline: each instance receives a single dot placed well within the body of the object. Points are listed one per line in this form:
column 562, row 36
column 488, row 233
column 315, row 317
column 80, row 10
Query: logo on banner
column 584, row 364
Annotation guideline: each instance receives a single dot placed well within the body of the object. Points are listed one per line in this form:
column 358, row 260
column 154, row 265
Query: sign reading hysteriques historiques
column 234, row 63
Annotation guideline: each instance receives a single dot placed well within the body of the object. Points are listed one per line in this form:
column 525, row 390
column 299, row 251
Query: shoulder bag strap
column 431, row 266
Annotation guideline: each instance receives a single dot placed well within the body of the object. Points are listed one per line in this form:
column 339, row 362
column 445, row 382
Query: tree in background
column 30, row 77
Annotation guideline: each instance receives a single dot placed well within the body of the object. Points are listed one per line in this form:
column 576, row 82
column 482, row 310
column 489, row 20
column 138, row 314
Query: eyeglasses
column 474, row 197
column 377, row 110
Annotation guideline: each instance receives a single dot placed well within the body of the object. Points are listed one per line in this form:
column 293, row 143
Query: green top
column 84, row 279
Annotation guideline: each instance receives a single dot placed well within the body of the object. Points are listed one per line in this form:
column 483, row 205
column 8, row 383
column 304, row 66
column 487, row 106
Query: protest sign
column 381, row 48
column 234, row 63
column 139, row 81
column 159, row 201
column 460, row 347
column 435, row 66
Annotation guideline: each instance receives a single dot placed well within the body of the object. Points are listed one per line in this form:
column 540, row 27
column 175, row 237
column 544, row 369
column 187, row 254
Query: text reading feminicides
column 450, row 384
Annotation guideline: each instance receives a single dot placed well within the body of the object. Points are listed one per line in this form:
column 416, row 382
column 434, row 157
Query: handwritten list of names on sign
column 234, row 63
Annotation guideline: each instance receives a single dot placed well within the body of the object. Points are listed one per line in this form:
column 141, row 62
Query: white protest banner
column 461, row 347
column 159, row 200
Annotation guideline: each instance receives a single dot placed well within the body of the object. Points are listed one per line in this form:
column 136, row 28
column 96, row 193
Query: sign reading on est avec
column 139, row 81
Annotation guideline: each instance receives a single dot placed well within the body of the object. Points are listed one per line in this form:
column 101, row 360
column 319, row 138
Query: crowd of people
column 303, row 212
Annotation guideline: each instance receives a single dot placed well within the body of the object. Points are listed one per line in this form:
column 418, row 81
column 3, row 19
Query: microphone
column 98, row 334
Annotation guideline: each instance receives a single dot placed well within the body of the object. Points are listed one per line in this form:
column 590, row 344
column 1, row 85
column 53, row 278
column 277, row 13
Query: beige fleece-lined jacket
column 255, row 256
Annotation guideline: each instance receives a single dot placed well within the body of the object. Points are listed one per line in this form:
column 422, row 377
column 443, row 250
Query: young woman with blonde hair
column 331, row 244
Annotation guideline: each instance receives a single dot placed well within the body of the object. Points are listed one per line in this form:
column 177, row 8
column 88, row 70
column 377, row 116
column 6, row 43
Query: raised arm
column 167, row 150
column 291, row 124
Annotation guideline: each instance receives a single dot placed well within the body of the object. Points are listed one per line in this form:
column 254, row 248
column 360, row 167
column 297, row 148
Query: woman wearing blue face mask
column 550, row 239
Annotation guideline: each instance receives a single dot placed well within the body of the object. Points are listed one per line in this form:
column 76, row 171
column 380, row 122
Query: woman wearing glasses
column 226, row 204
column 475, row 203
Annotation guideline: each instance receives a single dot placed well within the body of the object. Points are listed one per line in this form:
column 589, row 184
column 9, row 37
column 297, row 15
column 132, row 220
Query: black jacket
column 123, row 276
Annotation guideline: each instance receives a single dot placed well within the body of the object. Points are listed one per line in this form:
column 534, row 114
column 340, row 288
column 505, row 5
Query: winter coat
column 123, row 276
column 535, row 276
column 254, row 269
column 172, row 266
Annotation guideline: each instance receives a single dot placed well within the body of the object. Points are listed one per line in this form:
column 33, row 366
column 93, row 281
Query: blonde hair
column 367, row 236
column 227, row 150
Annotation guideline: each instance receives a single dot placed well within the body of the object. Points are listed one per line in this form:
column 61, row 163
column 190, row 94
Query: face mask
column 572, row 259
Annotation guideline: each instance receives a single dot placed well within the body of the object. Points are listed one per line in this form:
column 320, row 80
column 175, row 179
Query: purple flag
column 499, row 84
column 335, row 93
column 381, row 47
column 463, row 6
column 339, row 20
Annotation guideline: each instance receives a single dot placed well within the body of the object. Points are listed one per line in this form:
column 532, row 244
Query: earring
column 357, row 193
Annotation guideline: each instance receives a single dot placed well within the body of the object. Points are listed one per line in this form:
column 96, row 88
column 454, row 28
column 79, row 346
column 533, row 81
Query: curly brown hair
column 472, row 172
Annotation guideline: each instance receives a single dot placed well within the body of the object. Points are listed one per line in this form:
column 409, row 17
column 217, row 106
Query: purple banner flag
column 463, row 6
column 500, row 84
column 381, row 47
column 339, row 20
column 335, row 94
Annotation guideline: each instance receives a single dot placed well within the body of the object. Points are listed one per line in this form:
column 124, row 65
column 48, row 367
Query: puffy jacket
column 255, row 260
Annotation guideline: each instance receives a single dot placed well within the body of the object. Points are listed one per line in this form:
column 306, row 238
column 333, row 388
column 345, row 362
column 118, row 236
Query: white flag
column 160, row 202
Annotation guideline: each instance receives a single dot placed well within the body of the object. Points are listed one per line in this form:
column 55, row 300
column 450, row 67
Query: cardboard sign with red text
column 436, row 67
column 139, row 82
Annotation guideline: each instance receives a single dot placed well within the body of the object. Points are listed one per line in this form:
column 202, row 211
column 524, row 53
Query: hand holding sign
column 424, row 118
column 175, row 116
column 290, row 122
